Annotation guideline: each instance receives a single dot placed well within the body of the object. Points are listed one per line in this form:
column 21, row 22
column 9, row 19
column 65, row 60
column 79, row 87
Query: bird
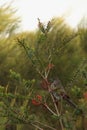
column 58, row 92
column 57, row 85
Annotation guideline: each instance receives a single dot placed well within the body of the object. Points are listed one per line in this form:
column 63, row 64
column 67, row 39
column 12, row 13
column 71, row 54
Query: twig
column 57, row 111
column 61, row 107
column 36, row 126
column 46, row 125
column 6, row 90
column 50, row 109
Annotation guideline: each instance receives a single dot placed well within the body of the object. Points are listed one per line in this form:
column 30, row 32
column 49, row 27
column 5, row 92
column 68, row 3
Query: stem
column 61, row 123
column 61, row 107
column 6, row 90
column 40, row 74
column 50, row 109
column 14, row 100
column 36, row 126
column 39, row 60
column 47, row 73
column 25, row 103
column 46, row 125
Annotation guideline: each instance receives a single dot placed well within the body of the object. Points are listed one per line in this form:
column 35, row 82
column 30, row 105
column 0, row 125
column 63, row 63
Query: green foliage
column 8, row 27
column 14, row 105
column 51, row 54
column 8, row 23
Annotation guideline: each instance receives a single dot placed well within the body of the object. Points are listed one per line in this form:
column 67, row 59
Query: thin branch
column 45, row 125
column 6, row 88
column 36, row 126
column 62, row 127
column 61, row 106
column 48, row 108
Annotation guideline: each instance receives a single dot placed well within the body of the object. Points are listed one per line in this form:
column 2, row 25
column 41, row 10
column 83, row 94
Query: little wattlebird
column 58, row 91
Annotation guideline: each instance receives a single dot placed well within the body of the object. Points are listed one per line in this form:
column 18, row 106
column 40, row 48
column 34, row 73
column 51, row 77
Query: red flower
column 39, row 97
column 37, row 101
column 85, row 95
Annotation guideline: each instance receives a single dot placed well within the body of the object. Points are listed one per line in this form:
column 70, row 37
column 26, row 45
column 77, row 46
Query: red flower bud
column 36, row 103
column 39, row 97
column 50, row 66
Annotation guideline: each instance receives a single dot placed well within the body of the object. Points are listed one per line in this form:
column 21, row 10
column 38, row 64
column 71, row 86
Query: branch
column 48, row 108
column 45, row 125
column 61, row 123
column 36, row 126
